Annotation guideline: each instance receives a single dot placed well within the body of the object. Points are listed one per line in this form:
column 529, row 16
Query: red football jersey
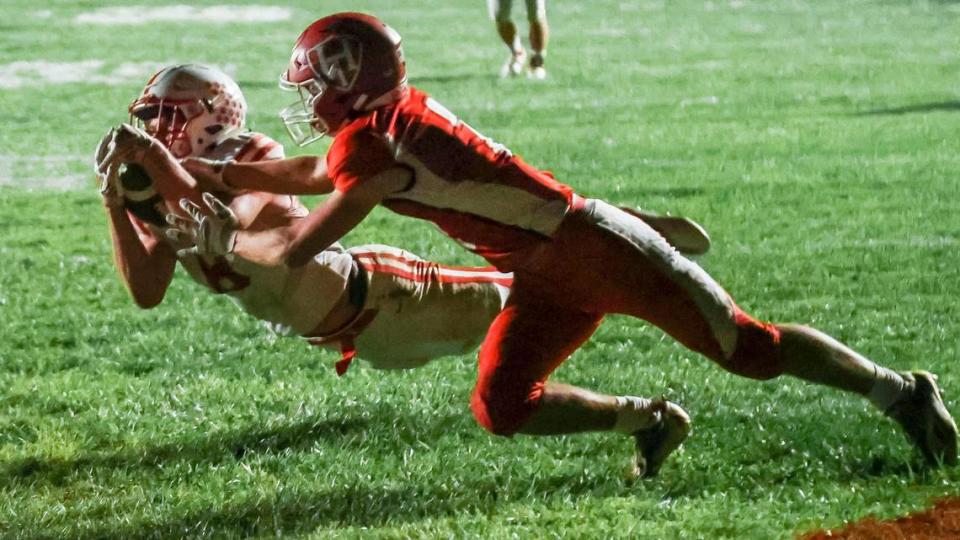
column 472, row 188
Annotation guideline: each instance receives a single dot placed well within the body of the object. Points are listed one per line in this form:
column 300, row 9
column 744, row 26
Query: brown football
column 140, row 197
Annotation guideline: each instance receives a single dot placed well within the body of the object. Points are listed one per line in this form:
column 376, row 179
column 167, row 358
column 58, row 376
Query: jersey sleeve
column 355, row 156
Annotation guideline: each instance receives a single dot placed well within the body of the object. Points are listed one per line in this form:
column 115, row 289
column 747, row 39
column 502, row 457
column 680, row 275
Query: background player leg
column 500, row 12
column 539, row 35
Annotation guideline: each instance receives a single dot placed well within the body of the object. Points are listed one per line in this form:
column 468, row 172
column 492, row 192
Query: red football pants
column 602, row 260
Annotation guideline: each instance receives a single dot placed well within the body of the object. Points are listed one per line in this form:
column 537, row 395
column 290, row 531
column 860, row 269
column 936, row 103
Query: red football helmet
column 343, row 66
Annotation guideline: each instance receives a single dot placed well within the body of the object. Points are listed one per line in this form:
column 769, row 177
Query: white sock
column 888, row 388
column 634, row 414
column 517, row 48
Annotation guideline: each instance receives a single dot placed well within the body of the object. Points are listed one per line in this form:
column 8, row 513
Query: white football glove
column 107, row 170
column 212, row 234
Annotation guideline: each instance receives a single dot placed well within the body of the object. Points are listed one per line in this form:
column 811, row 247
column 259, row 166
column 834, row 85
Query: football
column 139, row 196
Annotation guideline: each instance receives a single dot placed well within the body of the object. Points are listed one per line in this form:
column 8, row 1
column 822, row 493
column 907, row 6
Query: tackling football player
column 391, row 307
column 574, row 259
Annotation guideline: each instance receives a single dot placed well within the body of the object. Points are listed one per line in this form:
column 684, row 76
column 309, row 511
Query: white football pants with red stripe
column 424, row 310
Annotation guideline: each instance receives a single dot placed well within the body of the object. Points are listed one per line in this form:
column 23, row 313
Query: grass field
column 818, row 142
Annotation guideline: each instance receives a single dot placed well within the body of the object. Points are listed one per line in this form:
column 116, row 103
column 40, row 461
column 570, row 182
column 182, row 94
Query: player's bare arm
column 684, row 234
column 303, row 175
column 144, row 262
column 326, row 224
column 215, row 230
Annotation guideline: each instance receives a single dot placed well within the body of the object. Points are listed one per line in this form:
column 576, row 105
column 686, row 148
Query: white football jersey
column 294, row 300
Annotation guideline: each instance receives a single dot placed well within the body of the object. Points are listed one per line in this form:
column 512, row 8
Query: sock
column 634, row 414
column 537, row 59
column 888, row 388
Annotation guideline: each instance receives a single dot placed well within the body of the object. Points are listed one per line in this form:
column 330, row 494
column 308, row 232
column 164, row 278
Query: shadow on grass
column 374, row 504
column 214, row 449
column 914, row 109
column 370, row 505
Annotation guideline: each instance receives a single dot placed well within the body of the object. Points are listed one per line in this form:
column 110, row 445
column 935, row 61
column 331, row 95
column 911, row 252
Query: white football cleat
column 657, row 442
column 537, row 71
column 513, row 67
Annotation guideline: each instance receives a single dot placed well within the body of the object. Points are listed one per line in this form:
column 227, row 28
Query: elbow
column 146, row 297
column 319, row 180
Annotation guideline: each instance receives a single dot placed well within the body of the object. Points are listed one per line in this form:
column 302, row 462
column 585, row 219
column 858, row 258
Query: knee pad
column 757, row 354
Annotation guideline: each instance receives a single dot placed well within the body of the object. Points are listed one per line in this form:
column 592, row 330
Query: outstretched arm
column 297, row 244
column 304, row 175
column 335, row 217
column 215, row 232
column 144, row 262
column 684, row 234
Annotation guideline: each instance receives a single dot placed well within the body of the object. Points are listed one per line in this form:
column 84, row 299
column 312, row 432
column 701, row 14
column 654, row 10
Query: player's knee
column 486, row 416
column 757, row 354
column 500, row 413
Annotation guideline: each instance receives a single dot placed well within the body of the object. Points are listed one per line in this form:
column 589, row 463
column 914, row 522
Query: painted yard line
column 34, row 73
column 223, row 14
column 54, row 172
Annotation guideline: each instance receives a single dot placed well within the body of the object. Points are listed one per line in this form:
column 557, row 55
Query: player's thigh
column 500, row 9
column 445, row 319
column 649, row 279
column 536, row 10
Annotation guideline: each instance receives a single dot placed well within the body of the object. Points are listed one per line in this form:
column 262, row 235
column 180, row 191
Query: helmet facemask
column 303, row 125
column 324, row 103
column 167, row 122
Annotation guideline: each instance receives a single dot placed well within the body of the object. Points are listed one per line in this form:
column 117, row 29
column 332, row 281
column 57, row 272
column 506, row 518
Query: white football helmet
column 190, row 108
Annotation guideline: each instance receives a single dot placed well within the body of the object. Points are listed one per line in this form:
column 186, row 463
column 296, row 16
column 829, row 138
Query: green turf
column 818, row 141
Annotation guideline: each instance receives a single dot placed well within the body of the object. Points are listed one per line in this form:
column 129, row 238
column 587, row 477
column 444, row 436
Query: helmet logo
column 336, row 61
